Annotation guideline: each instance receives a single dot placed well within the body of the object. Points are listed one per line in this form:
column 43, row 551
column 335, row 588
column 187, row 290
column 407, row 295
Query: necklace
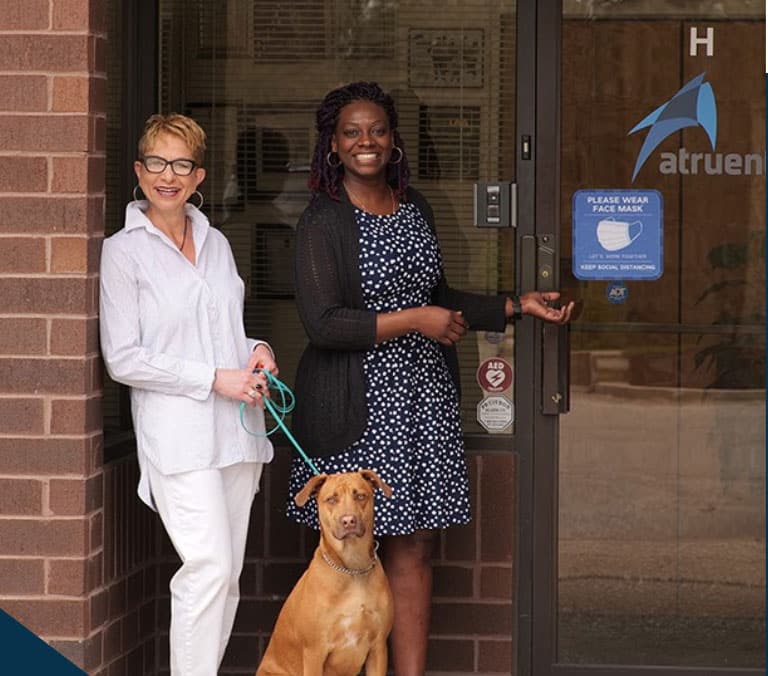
column 184, row 237
column 353, row 571
column 356, row 199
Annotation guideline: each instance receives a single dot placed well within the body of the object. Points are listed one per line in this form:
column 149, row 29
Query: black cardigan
column 331, row 411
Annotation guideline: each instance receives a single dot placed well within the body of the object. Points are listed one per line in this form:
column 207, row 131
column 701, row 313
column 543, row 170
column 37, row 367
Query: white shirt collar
column 136, row 217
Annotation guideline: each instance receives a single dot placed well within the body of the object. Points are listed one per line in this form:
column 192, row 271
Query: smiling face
column 363, row 140
column 167, row 192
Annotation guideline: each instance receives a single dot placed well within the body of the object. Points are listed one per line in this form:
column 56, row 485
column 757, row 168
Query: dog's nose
column 349, row 521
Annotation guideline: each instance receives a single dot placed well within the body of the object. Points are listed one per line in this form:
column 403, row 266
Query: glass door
column 253, row 72
column 659, row 472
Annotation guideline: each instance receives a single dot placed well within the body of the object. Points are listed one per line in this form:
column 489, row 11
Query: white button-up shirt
column 166, row 325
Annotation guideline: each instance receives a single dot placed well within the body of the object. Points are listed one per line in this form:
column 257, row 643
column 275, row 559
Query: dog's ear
column 374, row 479
column 310, row 488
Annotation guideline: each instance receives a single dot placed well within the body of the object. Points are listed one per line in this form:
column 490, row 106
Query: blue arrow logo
column 694, row 105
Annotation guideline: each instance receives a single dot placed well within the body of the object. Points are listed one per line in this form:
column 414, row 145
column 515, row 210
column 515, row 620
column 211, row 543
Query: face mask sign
column 617, row 235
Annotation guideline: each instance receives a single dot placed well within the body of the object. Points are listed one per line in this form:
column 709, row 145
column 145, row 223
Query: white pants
column 205, row 514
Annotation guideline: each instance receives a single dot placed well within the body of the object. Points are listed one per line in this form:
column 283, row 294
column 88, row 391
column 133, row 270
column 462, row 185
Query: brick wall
column 54, row 576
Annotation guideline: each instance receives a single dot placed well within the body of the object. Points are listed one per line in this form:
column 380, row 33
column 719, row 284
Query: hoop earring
column 135, row 196
column 399, row 159
column 202, row 201
column 328, row 160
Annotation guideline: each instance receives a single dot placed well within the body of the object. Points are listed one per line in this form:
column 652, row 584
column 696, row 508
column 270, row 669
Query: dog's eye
column 360, row 497
column 332, row 499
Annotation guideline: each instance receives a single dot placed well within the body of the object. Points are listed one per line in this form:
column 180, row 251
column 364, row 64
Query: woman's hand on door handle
column 538, row 304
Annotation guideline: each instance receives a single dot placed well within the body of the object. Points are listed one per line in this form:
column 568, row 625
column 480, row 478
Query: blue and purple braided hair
column 324, row 177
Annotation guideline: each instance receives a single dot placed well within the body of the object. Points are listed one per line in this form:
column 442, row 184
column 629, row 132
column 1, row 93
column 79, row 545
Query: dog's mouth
column 342, row 533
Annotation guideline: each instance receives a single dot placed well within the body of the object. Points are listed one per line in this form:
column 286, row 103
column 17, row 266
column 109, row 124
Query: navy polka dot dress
column 413, row 438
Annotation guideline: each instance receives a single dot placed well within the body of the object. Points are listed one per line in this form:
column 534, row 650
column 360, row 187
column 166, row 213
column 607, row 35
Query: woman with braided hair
column 378, row 384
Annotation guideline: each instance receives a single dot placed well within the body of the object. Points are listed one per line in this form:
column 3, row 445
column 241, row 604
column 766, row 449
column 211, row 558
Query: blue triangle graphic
column 24, row 654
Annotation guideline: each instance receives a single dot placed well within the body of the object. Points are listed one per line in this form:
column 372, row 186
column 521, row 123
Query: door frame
column 537, row 434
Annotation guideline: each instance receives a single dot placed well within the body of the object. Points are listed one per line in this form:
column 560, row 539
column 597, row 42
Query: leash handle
column 278, row 411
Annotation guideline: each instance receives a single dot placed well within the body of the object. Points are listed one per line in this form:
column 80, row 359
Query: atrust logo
column 694, row 105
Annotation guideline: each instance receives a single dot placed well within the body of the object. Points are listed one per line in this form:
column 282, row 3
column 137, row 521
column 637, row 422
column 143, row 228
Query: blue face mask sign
column 617, row 234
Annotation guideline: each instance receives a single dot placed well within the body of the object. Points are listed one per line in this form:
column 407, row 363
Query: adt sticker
column 618, row 233
column 617, row 292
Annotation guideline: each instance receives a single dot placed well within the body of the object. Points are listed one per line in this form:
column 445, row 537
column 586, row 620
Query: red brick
column 55, row 53
column 496, row 657
column 97, row 97
column 451, row 655
column 49, row 133
column 23, row 174
column 44, row 456
column 72, row 497
column 20, row 336
column 21, row 416
column 20, row 15
column 113, row 640
column 74, row 577
column 76, row 416
column 98, row 61
column 96, row 531
column 82, row 174
column 22, row 254
column 50, row 617
column 72, row 15
column 38, row 537
column 40, row 295
column 98, row 605
column 497, row 499
column 72, row 94
column 471, row 618
column 73, row 337
column 22, row 576
column 21, row 496
column 453, row 581
column 497, row 582
column 94, row 573
column 98, row 133
column 61, row 215
column 131, row 632
column 95, row 374
column 24, row 93
column 69, row 254
column 44, row 376
column 66, row 577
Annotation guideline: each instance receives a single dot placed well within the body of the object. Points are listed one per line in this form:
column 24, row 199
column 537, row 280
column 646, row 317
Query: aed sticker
column 617, row 292
column 496, row 413
column 494, row 375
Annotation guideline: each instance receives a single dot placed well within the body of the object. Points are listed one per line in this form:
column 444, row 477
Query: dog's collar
column 352, row 571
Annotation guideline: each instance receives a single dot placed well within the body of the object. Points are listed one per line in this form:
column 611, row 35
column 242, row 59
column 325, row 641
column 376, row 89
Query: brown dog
column 339, row 614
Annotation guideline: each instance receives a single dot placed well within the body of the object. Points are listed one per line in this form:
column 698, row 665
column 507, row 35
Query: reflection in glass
column 661, row 552
column 252, row 74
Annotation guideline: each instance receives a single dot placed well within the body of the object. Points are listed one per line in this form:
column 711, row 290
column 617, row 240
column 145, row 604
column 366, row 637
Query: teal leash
column 278, row 411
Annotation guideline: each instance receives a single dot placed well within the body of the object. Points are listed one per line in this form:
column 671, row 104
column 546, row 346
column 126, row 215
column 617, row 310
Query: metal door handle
column 556, row 381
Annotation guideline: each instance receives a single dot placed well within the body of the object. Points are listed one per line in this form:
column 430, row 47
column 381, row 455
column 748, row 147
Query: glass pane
column 661, row 550
column 252, row 72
